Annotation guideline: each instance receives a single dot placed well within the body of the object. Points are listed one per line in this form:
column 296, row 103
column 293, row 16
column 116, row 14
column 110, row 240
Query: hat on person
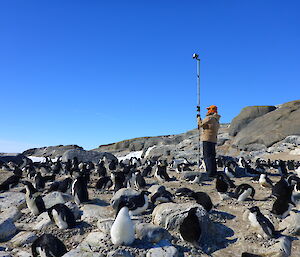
column 212, row 109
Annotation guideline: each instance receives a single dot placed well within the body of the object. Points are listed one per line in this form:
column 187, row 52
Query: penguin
column 282, row 188
column 104, row 183
column 79, row 190
column 265, row 181
column 122, row 231
column 258, row 220
column 223, row 183
column 229, row 169
column 48, row 245
column 34, row 201
column 161, row 172
column 148, row 169
column 243, row 191
column 282, row 168
column 39, row 181
column 241, row 162
column 282, row 207
column 112, row 165
column 61, row 186
column 190, row 228
column 184, row 191
column 162, row 196
column 203, row 199
column 101, row 169
column 138, row 203
column 139, row 182
column 118, row 179
column 62, row 216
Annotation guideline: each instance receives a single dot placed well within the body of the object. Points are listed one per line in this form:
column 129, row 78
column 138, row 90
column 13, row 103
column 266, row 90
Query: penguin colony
column 110, row 176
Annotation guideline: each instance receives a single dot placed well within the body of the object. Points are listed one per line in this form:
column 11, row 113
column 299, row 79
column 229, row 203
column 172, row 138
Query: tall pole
column 196, row 56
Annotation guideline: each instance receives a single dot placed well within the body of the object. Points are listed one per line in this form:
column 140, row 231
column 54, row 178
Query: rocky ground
column 228, row 234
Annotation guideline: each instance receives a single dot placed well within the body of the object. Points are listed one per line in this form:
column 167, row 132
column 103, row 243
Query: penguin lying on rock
column 62, row 216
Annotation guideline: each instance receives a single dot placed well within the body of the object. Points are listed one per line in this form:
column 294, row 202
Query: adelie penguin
column 190, row 228
column 104, row 183
column 62, row 216
column 122, row 231
column 282, row 207
column 223, row 183
column 34, row 201
column 258, row 220
column 79, row 190
column 48, row 245
column 244, row 191
column 203, row 199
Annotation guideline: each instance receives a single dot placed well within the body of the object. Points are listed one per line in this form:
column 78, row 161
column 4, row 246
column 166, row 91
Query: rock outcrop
column 271, row 127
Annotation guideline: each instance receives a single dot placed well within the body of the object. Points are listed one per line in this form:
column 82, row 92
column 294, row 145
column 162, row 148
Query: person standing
column 209, row 136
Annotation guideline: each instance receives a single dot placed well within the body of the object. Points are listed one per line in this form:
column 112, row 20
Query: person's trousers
column 209, row 156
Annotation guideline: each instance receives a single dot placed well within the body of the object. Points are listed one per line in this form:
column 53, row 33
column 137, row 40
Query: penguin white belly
column 122, row 230
column 253, row 220
column 76, row 199
column 223, row 196
column 32, row 205
column 41, row 252
column 58, row 220
column 244, row 195
column 228, row 173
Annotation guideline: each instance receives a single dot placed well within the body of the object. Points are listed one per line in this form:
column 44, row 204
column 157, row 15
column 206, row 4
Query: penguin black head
column 254, row 210
column 193, row 211
column 124, row 203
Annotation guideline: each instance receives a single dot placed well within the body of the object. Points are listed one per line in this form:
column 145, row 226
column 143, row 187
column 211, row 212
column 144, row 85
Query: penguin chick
column 122, row 231
column 190, row 228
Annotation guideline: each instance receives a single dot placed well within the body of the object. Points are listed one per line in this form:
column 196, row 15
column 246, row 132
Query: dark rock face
column 15, row 158
column 247, row 115
column 272, row 127
column 50, row 151
column 86, row 156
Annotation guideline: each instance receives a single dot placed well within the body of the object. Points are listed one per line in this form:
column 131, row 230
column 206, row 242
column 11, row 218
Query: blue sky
column 97, row 72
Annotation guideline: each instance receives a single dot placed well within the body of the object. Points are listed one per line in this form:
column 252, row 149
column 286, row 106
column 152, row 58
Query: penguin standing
column 161, row 172
column 190, row 228
column 243, row 191
column 122, row 231
column 62, row 216
column 104, row 183
column 265, row 181
column 223, row 183
column 79, row 190
column 258, row 220
column 34, row 201
column 282, row 207
column 48, row 245
column 39, row 181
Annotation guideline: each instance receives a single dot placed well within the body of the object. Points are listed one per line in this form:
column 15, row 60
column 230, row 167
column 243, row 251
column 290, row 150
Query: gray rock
column 56, row 197
column 294, row 139
column 255, row 147
column 171, row 215
column 11, row 199
column 5, row 254
column 151, row 233
column 23, row 238
column 11, row 213
column 292, row 224
column 166, row 251
column 119, row 253
column 42, row 221
column 86, row 156
column 93, row 212
column 247, row 115
column 15, row 158
column 105, row 225
column 78, row 252
column 50, row 151
column 271, row 127
column 7, row 229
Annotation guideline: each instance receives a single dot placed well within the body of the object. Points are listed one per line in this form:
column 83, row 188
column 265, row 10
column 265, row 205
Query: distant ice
column 137, row 154
column 40, row 159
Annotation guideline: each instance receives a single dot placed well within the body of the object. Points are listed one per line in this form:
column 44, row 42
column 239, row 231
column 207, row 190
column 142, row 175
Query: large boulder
column 86, row 156
column 11, row 199
column 247, row 115
column 50, row 151
column 271, row 127
column 171, row 215
column 7, row 229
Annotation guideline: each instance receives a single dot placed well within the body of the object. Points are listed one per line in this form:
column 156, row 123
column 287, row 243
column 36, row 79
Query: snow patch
column 148, row 151
column 40, row 159
column 137, row 154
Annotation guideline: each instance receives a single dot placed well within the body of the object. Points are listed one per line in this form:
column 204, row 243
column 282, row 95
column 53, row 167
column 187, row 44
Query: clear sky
column 96, row 72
